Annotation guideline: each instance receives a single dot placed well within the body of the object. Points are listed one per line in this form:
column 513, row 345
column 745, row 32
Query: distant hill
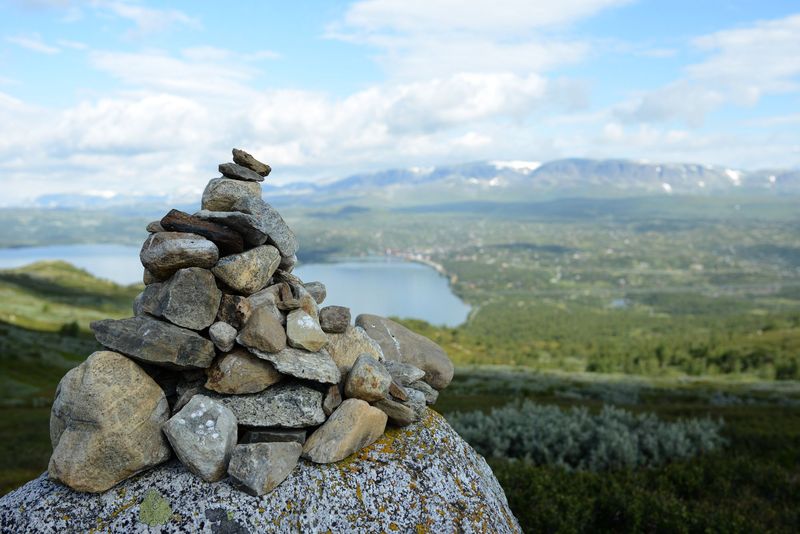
column 486, row 180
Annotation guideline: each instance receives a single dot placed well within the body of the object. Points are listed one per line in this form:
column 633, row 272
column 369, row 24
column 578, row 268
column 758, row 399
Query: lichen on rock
column 420, row 478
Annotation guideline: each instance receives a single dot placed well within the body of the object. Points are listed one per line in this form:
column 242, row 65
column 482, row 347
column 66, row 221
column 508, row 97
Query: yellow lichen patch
column 393, row 527
column 359, row 495
column 103, row 523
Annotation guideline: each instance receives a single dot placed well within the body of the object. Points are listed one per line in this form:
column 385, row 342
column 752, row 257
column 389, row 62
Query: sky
column 140, row 97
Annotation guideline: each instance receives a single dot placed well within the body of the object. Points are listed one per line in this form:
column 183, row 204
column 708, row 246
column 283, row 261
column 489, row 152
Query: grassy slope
column 45, row 310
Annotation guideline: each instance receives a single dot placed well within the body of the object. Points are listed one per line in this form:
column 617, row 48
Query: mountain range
column 489, row 180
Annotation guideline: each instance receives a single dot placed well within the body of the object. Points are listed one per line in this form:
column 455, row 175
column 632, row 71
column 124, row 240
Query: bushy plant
column 578, row 439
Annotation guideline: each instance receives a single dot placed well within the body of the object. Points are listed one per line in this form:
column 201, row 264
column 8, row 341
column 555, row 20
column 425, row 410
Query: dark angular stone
column 228, row 241
column 239, row 172
column 246, row 160
column 150, row 340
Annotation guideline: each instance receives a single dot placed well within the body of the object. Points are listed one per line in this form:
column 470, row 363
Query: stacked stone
column 230, row 362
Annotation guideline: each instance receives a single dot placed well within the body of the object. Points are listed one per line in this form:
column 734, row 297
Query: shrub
column 578, row 439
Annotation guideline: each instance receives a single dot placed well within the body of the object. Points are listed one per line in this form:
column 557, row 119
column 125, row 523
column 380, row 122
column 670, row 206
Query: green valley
column 676, row 307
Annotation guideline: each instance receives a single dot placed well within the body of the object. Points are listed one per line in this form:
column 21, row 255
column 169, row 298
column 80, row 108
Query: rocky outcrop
column 235, row 348
column 421, row 478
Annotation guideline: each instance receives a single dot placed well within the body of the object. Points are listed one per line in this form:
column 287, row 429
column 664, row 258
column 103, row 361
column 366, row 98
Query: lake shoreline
column 387, row 285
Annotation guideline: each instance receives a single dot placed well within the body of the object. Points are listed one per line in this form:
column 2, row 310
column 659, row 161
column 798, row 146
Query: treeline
column 580, row 338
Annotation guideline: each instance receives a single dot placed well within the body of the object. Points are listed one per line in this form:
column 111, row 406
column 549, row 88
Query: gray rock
column 400, row 482
column 288, row 263
column 263, row 332
column 258, row 468
column 251, row 229
column 401, row 344
column 345, row 348
column 333, row 398
column 154, row 227
column 246, row 160
column 431, row 395
column 222, row 193
column 105, row 424
column 316, row 366
column 234, row 310
column 303, row 331
column 307, row 303
column 399, row 414
column 154, row 341
column 334, row 319
column 239, row 372
column 190, row 299
column 271, row 221
column 268, row 298
column 293, row 295
column 397, row 392
column 416, row 401
column 317, row 290
column 239, row 172
column 137, row 303
column 403, row 373
column 165, row 252
column 367, row 380
column 222, row 335
column 249, row 271
column 353, row 426
column 288, row 405
column 274, row 435
column 185, row 396
column 149, row 278
column 203, row 435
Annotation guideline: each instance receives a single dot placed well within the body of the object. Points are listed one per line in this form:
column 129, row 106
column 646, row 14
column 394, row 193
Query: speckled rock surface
column 423, row 478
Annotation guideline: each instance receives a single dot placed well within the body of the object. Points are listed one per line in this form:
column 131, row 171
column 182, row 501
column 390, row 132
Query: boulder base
column 423, row 477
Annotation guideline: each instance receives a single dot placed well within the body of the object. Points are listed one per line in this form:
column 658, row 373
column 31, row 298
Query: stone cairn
column 230, row 362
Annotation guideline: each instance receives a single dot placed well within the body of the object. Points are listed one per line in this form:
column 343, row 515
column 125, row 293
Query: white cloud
column 33, row 42
column 477, row 16
column 743, row 66
column 75, row 45
column 420, row 38
column 147, row 20
column 204, row 71
column 192, row 108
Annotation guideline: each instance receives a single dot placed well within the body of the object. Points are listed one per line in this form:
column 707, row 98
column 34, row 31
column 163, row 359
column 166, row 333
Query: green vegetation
column 45, row 311
column 683, row 308
column 578, row 439
column 749, row 485
column 662, row 286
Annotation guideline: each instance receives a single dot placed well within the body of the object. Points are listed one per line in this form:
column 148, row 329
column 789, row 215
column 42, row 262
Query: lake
column 387, row 287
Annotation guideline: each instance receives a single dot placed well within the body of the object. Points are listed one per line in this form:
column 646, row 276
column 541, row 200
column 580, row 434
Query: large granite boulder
column 421, row 478
column 106, row 423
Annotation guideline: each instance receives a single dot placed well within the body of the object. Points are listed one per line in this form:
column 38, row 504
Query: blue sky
column 121, row 96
